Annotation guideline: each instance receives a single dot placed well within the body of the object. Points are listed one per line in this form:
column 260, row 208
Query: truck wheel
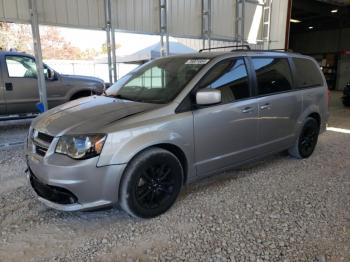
column 307, row 140
column 151, row 183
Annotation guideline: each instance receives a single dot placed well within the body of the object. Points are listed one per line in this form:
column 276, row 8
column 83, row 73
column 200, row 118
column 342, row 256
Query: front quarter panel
column 177, row 129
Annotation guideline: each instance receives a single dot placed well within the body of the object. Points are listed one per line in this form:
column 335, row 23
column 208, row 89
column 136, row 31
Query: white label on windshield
column 197, row 61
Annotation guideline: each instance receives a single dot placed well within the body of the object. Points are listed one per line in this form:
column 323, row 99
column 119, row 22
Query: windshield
column 159, row 81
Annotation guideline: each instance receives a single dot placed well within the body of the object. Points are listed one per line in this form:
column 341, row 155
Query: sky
column 129, row 43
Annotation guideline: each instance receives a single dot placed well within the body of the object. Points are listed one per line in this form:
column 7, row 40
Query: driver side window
column 21, row 66
column 230, row 77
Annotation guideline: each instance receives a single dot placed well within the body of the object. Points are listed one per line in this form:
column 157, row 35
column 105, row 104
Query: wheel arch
column 312, row 111
column 316, row 116
column 172, row 148
column 179, row 153
column 80, row 93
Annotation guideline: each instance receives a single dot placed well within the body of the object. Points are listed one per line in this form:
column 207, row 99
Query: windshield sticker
column 197, row 61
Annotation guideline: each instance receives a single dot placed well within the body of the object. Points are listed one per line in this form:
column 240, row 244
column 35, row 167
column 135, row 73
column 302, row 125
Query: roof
column 14, row 53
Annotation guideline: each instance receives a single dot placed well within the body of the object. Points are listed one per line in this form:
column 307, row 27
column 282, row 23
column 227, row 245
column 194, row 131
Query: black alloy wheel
column 156, row 185
column 151, row 183
column 308, row 138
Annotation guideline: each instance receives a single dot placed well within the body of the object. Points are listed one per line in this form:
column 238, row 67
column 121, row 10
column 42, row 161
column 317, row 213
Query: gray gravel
column 279, row 209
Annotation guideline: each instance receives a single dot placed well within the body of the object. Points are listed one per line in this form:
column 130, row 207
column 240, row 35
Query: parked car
column 172, row 121
column 19, row 92
column 346, row 95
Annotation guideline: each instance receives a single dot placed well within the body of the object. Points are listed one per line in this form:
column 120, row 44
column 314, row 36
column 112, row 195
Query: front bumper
column 71, row 185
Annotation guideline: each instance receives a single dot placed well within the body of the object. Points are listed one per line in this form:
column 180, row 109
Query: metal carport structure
column 261, row 22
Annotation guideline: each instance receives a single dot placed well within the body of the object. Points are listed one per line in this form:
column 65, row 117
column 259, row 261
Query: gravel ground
column 279, row 209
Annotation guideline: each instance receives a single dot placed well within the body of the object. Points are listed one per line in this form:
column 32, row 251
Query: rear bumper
column 69, row 185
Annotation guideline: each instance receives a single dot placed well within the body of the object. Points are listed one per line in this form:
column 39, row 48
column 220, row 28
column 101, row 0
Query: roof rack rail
column 274, row 50
column 229, row 46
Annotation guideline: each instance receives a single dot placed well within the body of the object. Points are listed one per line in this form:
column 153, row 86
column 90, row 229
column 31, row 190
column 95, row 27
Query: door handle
column 264, row 107
column 247, row 110
column 8, row 86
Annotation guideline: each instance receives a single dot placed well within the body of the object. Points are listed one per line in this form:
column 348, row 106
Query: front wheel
column 307, row 140
column 151, row 183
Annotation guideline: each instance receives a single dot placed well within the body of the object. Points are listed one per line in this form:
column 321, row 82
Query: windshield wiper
column 123, row 97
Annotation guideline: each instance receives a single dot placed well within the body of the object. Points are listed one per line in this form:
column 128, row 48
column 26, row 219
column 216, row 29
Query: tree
column 53, row 44
column 16, row 36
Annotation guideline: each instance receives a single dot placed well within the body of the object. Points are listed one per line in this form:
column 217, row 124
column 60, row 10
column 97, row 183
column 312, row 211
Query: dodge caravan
column 172, row 121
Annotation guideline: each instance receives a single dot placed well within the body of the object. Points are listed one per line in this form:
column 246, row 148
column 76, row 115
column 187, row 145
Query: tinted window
column 230, row 77
column 306, row 73
column 273, row 75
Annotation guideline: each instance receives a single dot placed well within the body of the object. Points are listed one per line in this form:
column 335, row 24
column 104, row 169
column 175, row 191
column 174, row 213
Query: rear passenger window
column 230, row 77
column 306, row 73
column 273, row 75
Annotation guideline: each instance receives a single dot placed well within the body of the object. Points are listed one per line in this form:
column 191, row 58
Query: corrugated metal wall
column 70, row 13
column 278, row 23
column 142, row 16
column 184, row 18
column 14, row 10
column 223, row 18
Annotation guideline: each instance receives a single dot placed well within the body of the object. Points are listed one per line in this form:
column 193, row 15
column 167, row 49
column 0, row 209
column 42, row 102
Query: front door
column 226, row 134
column 20, row 83
column 279, row 106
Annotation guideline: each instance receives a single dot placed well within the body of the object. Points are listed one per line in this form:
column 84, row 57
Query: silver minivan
column 172, row 121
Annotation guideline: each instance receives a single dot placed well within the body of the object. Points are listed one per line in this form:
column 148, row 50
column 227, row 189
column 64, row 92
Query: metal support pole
column 206, row 23
column 167, row 47
column 38, row 54
column 114, row 56
column 163, row 22
column 243, row 22
column 239, row 22
column 108, row 34
column 113, row 46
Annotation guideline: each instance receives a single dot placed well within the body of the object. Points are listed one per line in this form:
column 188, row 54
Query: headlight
column 81, row 146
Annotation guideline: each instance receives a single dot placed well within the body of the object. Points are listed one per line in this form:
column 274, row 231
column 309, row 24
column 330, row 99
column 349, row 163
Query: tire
column 307, row 140
column 151, row 183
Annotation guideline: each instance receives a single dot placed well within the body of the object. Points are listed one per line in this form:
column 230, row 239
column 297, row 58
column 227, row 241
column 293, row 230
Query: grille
column 44, row 137
column 41, row 142
column 41, row 151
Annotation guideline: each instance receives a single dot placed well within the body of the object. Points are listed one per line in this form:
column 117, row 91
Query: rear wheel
column 307, row 140
column 151, row 183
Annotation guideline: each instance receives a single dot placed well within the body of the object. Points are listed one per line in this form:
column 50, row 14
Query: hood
column 82, row 78
column 87, row 115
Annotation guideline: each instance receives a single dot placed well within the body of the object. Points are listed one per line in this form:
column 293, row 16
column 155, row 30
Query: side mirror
column 50, row 74
column 208, row 96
